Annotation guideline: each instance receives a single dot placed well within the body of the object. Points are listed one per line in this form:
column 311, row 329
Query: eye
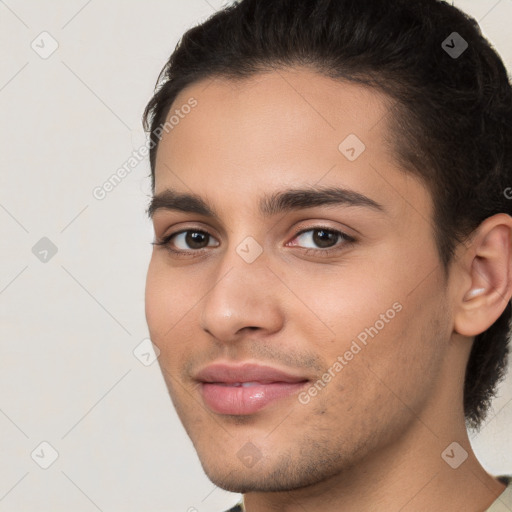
column 327, row 239
column 192, row 242
column 188, row 239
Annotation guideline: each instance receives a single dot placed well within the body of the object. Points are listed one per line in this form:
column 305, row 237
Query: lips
column 247, row 388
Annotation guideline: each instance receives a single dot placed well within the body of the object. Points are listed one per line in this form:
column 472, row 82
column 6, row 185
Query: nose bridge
column 245, row 253
column 240, row 296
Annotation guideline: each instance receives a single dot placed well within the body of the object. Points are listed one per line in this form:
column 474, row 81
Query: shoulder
column 236, row 508
column 504, row 501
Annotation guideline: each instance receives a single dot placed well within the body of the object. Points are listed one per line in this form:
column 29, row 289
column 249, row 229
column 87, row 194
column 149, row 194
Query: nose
column 245, row 297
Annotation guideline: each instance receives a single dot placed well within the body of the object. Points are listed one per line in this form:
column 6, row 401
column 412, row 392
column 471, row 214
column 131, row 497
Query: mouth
column 245, row 389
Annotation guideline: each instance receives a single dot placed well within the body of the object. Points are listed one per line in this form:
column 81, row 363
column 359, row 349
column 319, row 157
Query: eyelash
column 346, row 239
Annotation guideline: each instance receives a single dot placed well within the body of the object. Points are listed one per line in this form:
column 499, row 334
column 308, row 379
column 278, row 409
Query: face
column 298, row 336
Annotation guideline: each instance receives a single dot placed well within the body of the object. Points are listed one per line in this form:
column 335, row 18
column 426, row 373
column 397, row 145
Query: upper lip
column 247, row 372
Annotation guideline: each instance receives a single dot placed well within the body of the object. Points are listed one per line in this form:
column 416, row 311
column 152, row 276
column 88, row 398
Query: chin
column 284, row 475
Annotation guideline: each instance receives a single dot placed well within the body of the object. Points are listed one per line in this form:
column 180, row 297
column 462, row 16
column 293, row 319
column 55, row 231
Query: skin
column 372, row 438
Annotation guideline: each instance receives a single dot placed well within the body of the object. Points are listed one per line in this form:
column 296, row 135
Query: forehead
column 279, row 129
column 289, row 108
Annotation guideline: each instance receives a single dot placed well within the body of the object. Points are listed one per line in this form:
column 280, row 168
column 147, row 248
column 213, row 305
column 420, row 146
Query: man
column 331, row 278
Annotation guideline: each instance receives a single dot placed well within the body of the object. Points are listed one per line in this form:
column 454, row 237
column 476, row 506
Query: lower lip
column 240, row 400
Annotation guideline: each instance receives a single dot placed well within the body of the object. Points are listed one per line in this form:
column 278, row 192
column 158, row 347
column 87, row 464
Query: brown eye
column 186, row 241
column 321, row 238
column 196, row 239
column 324, row 238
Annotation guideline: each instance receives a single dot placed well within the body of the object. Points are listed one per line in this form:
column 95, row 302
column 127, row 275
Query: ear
column 486, row 282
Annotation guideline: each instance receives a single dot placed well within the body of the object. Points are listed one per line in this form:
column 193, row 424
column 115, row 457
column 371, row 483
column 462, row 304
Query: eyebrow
column 270, row 205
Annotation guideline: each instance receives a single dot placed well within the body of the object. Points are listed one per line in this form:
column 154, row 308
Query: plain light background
column 69, row 326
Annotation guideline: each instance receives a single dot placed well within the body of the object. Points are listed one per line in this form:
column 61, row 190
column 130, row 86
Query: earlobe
column 488, row 265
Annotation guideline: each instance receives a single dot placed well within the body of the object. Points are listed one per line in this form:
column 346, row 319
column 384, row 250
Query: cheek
column 169, row 295
column 378, row 319
column 172, row 308
column 166, row 302
column 156, row 300
column 341, row 304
